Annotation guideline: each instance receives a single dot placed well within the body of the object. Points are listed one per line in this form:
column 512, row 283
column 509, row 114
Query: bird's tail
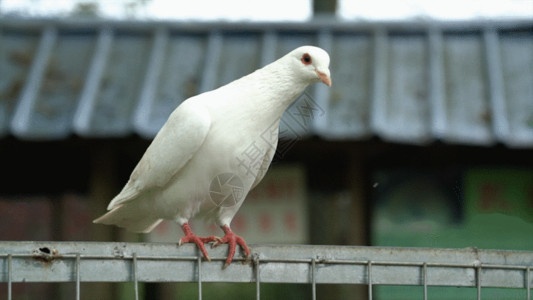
column 131, row 217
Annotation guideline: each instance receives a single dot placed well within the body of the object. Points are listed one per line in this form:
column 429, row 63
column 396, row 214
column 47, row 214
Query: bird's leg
column 190, row 237
column 232, row 240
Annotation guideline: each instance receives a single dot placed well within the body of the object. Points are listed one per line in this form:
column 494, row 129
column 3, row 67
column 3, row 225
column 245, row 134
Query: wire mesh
column 371, row 266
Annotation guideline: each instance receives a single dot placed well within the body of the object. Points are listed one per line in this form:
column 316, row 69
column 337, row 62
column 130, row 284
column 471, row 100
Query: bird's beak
column 324, row 77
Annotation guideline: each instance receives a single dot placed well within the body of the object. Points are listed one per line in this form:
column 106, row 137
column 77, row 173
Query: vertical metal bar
column 135, row 278
column 78, row 276
column 528, row 284
column 313, row 274
column 9, row 276
column 478, row 282
column 199, row 278
column 425, row 270
column 369, row 273
column 257, row 279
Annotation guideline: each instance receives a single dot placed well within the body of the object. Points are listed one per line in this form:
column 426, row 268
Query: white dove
column 214, row 148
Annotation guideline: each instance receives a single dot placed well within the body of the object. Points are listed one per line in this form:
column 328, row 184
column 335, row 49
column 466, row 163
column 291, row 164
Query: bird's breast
column 243, row 147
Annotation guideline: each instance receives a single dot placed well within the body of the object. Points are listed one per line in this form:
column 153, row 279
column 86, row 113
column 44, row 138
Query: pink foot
column 232, row 240
column 190, row 237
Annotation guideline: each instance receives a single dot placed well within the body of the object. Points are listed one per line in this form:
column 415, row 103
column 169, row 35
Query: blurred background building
column 425, row 138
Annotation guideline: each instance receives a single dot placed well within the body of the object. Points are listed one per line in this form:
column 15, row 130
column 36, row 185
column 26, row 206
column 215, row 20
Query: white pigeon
column 214, row 148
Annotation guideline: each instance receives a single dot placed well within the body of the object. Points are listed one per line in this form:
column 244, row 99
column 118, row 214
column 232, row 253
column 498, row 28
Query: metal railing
column 157, row 262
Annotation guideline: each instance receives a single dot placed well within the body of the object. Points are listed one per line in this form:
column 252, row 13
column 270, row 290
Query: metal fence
column 313, row 265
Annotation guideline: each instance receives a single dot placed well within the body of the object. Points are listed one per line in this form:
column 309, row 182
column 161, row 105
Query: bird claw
column 247, row 260
column 229, row 238
column 217, row 242
column 232, row 240
column 190, row 237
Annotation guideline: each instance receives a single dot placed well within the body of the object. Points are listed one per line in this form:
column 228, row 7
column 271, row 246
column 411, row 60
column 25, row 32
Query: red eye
column 306, row 59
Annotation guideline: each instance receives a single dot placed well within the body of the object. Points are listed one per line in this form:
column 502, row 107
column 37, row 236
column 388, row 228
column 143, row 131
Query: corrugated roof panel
column 239, row 56
column 17, row 50
column 466, row 94
column 436, row 85
column 143, row 111
column 321, row 92
column 407, row 105
column 378, row 82
column 498, row 113
column 463, row 82
column 211, row 61
column 82, row 122
column 120, row 85
column 517, row 68
column 33, row 118
column 179, row 78
column 61, row 83
column 348, row 106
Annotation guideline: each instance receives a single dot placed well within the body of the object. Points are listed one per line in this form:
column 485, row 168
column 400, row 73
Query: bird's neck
column 262, row 96
column 277, row 86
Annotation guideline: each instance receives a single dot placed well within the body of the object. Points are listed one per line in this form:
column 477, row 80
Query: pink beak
column 324, row 78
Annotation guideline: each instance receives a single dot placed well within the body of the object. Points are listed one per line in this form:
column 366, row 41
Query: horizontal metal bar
column 158, row 262
column 316, row 24
column 275, row 260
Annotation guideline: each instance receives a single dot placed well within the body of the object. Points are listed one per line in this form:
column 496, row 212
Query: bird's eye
column 306, row 59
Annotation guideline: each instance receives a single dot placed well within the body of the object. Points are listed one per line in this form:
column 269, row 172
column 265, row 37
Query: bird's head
column 311, row 63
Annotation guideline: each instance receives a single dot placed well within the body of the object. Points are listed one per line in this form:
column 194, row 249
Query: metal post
column 369, row 271
column 135, row 278
column 313, row 274
column 9, row 276
column 199, row 277
column 425, row 270
column 78, row 279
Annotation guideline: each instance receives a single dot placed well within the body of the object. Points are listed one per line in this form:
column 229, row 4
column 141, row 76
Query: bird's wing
column 264, row 166
column 174, row 145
